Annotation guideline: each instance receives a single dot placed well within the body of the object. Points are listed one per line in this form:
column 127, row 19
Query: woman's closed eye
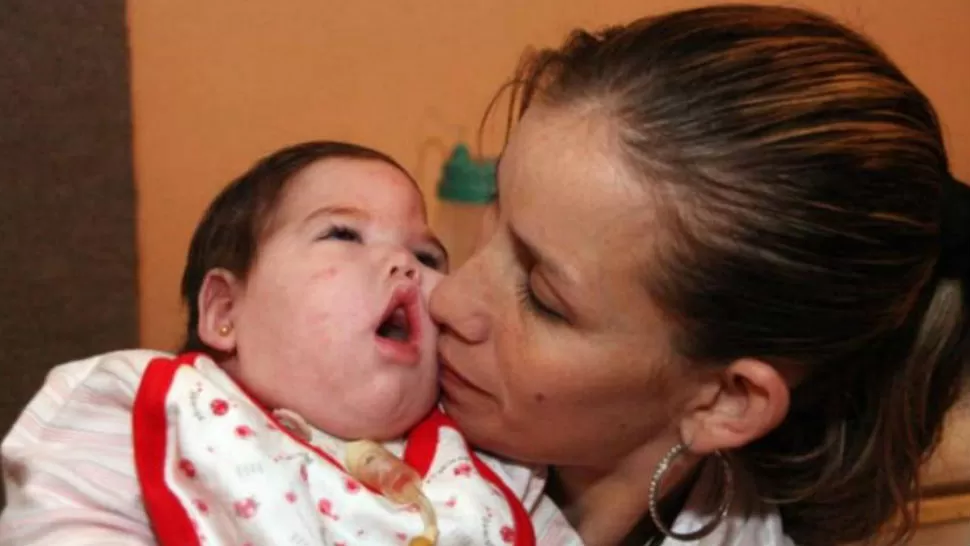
column 529, row 298
column 341, row 233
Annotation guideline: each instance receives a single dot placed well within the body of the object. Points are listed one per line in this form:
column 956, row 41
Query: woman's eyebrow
column 550, row 266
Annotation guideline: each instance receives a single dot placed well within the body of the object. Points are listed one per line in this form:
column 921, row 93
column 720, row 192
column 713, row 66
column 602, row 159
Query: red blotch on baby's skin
column 326, row 274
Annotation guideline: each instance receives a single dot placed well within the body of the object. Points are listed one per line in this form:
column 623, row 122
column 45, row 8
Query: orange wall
column 217, row 83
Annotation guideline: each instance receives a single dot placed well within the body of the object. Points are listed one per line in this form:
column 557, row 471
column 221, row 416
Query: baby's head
column 307, row 279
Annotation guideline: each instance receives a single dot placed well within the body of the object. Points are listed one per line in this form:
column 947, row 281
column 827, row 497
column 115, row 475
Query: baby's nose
column 405, row 270
column 402, row 265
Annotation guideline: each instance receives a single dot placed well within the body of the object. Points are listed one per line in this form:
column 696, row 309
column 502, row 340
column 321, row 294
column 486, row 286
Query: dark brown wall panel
column 67, row 249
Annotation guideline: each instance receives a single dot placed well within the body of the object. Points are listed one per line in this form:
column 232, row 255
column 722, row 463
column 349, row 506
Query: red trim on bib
column 170, row 521
column 423, row 441
column 525, row 534
column 419, row 453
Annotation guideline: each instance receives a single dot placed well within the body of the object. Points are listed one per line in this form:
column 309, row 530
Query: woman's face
column 552, row 351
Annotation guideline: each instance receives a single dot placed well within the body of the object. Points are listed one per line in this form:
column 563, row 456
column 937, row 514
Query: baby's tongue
column 396, row 326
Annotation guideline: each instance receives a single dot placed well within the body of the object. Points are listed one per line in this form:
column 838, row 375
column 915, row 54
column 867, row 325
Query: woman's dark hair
column 229, row 233
column 806, row 195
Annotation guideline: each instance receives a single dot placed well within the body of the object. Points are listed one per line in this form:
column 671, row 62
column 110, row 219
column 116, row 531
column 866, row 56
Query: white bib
column 217, row 469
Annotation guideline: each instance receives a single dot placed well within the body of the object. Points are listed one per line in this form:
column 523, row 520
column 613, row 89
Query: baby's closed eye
column 341, row 233
column 430, row 260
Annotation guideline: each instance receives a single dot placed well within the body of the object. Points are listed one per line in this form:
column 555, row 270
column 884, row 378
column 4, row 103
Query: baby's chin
column 388, row 419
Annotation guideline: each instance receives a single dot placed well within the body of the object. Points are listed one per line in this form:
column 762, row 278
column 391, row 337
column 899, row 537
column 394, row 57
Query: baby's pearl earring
column 225, row 329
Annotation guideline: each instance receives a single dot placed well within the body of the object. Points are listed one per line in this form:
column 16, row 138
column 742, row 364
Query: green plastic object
column 467, row 180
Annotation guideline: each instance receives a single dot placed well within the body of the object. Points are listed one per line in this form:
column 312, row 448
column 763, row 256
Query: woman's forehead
column 565, row 188
column 568, row 151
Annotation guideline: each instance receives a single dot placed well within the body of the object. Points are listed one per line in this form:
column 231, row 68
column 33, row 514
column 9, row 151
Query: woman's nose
column 456, row 305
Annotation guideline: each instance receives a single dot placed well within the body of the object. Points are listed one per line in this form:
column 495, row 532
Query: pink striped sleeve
column 68, row 464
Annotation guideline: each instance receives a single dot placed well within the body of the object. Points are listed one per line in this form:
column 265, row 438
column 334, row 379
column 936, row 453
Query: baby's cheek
column 321, row 306
column 318, row 328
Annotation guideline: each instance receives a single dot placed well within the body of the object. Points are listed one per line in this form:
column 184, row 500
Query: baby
column 307, row 284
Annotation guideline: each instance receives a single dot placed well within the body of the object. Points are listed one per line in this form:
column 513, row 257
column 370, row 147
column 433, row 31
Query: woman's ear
column 217, row 303
column 744, row 402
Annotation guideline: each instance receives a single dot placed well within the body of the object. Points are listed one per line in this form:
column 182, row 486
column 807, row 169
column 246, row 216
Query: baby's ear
column 744, row 402
column 217, row 303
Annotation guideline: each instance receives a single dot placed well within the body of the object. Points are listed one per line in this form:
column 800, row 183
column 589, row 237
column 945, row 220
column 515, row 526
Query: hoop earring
column 657, row 480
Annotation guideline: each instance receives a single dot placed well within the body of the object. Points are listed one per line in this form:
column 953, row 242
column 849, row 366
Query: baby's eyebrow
column 336, row 210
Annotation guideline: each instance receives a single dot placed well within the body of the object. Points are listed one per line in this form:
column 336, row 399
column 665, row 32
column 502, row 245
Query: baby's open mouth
column 396, row 326
column 398, row 334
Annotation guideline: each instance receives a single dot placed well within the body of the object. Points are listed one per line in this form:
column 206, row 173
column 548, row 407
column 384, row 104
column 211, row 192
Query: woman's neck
column 610, row 507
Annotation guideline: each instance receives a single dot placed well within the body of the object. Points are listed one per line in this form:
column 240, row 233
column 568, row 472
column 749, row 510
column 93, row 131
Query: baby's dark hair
column 228, row 235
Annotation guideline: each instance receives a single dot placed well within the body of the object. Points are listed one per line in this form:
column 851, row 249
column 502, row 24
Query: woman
column 723, row 234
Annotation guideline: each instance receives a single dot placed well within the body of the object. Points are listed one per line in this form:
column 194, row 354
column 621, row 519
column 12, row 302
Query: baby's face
column 332, row 321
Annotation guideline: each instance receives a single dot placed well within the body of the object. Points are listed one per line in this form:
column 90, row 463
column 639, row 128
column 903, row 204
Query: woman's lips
column 451, row 379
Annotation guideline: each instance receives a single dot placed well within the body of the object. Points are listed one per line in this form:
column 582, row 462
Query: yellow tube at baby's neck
column 379, row 469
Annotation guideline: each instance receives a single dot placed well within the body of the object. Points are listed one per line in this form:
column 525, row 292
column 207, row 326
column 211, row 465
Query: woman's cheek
column 488, row 225
column 430, row 279
column 516, row 366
